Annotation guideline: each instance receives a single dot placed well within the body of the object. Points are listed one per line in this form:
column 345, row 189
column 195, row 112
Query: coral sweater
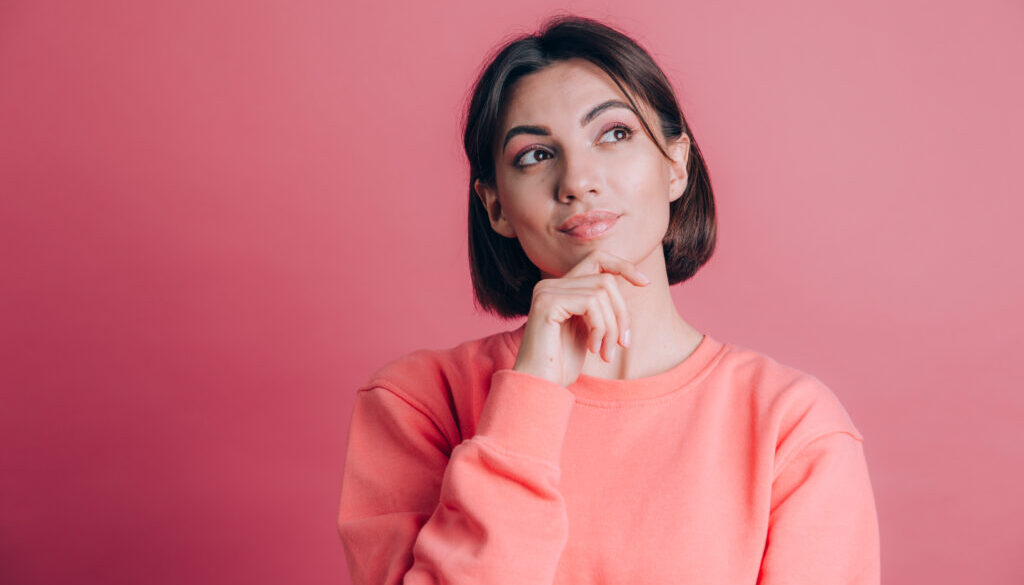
column 729, row 468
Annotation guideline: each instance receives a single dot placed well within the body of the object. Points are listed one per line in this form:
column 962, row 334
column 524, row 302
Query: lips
column 589, row 217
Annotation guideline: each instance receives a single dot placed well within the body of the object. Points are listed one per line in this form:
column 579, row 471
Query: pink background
column 217, row 218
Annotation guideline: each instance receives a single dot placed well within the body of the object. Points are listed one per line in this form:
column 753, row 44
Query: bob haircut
column 503, row 276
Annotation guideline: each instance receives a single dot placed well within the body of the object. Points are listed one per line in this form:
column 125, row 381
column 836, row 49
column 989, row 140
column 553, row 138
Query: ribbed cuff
column 527, row 414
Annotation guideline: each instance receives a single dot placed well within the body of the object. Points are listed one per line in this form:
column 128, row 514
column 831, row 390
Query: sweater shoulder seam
column 416, row 405
column 807, row 442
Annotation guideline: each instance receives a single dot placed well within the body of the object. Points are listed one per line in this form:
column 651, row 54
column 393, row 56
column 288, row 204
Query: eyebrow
column 543, row 131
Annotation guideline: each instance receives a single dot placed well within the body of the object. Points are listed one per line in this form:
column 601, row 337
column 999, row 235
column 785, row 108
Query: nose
column 579, row 176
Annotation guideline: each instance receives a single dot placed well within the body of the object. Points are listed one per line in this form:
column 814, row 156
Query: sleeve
column 823, row 526
column 491, row 512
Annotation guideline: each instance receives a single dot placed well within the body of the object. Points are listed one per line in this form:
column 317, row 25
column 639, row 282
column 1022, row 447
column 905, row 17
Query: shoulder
column 443, row 366
column 791, row 405
column 441, row 380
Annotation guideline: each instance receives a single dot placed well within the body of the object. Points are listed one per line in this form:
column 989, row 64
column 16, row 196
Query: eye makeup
column 517, row 159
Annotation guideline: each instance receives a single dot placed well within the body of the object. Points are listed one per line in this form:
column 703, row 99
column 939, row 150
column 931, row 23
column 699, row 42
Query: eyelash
column 619, row 126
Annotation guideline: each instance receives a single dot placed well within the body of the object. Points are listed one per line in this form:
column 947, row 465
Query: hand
column 580, row 311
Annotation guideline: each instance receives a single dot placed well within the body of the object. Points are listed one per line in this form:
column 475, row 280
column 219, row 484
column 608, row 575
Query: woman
column 605, row 440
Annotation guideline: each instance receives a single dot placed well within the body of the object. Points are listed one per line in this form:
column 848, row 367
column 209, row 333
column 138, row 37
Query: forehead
column 566, row 78
column 562, row 97
column 564, row 88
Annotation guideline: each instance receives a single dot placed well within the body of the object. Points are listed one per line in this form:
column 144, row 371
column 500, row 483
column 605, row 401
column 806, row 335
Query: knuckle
column 542, row 302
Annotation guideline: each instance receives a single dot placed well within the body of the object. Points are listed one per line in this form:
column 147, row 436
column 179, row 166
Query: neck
column 659, row 337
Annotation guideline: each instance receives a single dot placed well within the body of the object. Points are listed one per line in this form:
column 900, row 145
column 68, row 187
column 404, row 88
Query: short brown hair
column 503, row 276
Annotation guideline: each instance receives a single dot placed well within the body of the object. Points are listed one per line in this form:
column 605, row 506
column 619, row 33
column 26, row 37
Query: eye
column 519, row 159
column 626, row 131
column 542, row 155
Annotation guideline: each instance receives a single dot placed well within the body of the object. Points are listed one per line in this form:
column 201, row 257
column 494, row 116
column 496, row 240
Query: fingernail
column 643, row 277
column 625, row 338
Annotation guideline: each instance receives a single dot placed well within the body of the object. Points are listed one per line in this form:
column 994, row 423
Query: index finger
column 602, row 261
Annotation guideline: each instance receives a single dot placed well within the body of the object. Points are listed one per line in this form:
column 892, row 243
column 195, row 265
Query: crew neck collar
column 609, row 390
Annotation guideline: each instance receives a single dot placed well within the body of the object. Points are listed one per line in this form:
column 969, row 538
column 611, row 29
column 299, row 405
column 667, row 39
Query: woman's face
column 568, row 144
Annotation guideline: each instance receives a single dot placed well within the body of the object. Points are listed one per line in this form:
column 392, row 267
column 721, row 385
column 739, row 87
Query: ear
column 679, row 150
column 489, row 198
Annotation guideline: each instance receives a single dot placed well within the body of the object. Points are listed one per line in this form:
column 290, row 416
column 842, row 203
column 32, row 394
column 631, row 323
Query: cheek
column 638, row 173
column 524, row 218
column 523, row 208
column 645, row 187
